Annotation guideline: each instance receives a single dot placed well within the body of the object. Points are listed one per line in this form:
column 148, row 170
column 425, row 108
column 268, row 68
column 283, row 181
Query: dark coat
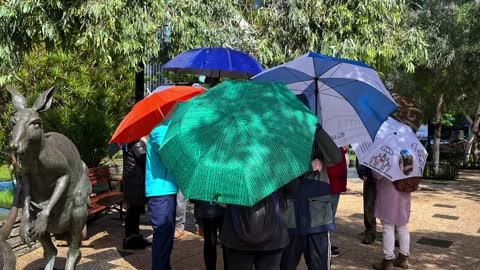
column 364, row 171
column 279, row 239
column 134, row 158
column 205, row 209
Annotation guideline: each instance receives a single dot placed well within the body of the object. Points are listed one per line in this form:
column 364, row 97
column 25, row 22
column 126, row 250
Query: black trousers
column 247, row 260
column 211, row 227
column 369, row 194
column 314, row 247
column 132, row 219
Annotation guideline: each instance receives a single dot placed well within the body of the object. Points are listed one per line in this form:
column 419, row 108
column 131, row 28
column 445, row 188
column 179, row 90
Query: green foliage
column 377, row 32
column 88, row 48
column 447, row 119
column 194, row 24
column 109, row 29
column 90, row 100
column 453, row 35
column 6, row 198
column 5, row 172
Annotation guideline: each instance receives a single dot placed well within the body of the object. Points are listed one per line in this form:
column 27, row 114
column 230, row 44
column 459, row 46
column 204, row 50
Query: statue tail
column 12, row 217
column 8, row 226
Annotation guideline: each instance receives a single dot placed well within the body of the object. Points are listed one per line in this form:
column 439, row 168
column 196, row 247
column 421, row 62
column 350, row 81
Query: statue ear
column 44, row 101
column 19, row 100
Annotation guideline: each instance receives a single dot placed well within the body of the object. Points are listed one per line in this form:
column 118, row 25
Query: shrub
column 6, row 199
column 90, row 99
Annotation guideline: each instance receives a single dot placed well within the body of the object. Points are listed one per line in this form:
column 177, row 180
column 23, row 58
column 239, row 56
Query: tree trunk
column 437, row 133
column 473, row 134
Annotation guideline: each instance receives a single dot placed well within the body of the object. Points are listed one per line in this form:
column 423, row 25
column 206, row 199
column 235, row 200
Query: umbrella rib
column 299, row 79
column 229, row 60
column 338, row 67
column 343, row 84
column 359, row 116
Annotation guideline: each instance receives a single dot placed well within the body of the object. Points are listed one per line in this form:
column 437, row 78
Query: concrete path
column 445, row 234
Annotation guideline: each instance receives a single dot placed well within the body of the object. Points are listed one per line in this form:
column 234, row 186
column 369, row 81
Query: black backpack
column 257, row 224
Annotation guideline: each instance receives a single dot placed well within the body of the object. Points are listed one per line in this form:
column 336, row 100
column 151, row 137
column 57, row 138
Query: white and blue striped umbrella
column 348, row 96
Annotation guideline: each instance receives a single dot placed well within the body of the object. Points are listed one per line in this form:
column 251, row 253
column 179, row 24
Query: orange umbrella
column 149, row 112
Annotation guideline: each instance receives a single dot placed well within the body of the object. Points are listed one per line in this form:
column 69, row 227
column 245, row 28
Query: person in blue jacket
column 161, row 191
column 310, row 210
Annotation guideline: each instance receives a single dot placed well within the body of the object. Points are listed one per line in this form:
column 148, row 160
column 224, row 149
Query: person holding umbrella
column 255, row 237
column 392, row 207
column 161, row 191
column 397, row 159
column 311, row 209
column 225, row 147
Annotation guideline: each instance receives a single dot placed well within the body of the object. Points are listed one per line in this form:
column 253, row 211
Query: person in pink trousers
column 392, row 207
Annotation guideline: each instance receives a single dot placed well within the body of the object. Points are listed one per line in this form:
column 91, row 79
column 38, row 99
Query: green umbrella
column 239, row 142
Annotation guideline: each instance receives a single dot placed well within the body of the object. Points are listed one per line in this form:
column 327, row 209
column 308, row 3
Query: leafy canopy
column 377, row 32
column 110, row 29
column 90, row 98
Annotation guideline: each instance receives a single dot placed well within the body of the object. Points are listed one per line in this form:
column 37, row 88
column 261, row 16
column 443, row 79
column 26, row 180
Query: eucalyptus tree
column 189, row 24
column 377, row 32
column 449, row 76
column 465, row 69
column 109, row 30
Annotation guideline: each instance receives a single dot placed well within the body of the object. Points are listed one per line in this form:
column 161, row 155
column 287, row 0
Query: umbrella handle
column 216, row 198
column 316, row 95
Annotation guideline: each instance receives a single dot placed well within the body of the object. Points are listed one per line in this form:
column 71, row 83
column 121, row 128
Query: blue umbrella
column 216, row 63
column 348, row 96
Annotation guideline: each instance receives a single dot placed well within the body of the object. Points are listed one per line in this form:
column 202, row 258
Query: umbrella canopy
column 215, row 62
column 149, row 112
column 239, row 142
column 396, row 152
column 349, row 96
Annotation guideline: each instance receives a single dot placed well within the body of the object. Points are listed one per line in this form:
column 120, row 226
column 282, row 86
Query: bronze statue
column 55, row 181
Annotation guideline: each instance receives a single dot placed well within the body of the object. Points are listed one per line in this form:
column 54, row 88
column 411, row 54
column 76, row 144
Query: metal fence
column 153, row 77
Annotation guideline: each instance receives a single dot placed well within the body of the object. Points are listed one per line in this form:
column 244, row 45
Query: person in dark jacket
column 211, row 217
column 266, row 253
column 311, row 211
column 134, row 155
column 369, row 195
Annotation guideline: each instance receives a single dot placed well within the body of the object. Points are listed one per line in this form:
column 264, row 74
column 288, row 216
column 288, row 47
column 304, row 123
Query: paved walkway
column 445, row 234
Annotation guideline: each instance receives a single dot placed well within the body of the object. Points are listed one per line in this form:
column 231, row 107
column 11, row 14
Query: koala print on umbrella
column 381, row 161
column 406, row 162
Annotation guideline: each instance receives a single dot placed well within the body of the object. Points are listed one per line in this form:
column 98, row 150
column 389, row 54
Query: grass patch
column 6, row 199
column 5, row 172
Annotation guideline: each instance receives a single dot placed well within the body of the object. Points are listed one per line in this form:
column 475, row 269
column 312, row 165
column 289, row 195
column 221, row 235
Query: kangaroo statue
column 55, row 181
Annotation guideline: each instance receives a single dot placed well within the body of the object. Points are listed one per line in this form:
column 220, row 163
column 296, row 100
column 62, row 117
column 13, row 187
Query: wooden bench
column 106, row 197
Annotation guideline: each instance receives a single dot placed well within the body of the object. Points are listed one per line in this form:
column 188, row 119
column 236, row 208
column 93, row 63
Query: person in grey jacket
column 310, row 210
